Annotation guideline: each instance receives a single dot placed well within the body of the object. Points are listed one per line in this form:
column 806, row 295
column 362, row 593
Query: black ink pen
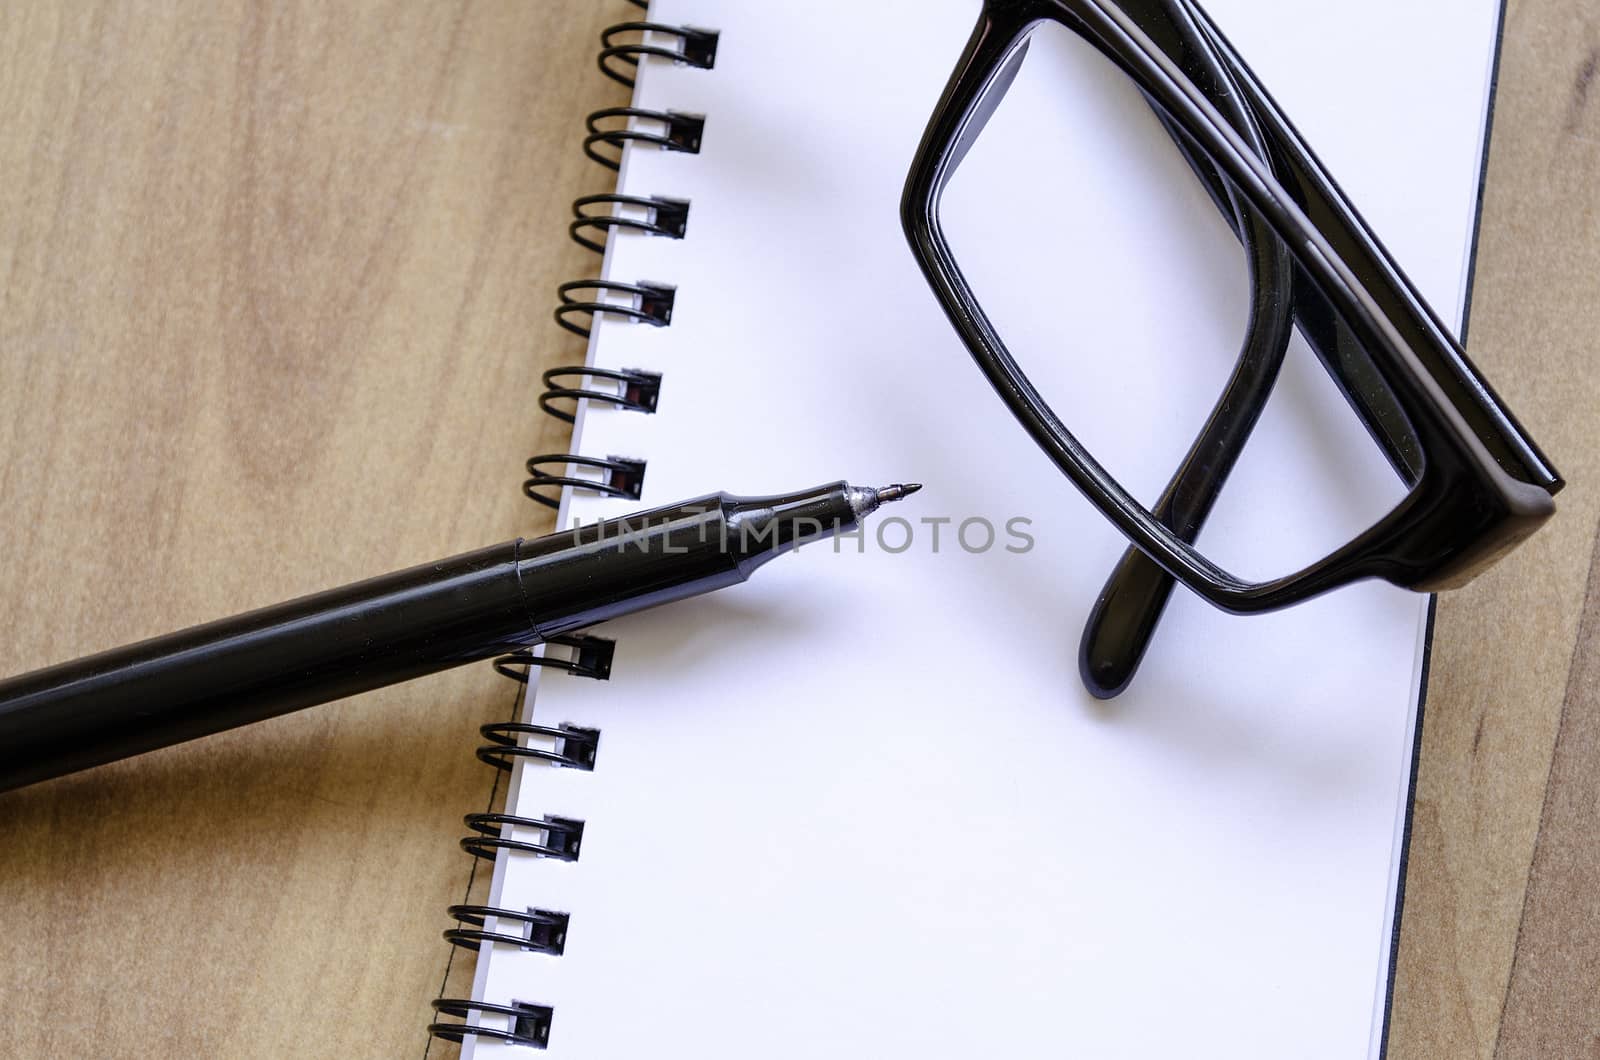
column 399, row 626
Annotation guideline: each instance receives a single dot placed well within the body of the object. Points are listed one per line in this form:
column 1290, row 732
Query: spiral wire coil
column 616, row 127
column 595, row 218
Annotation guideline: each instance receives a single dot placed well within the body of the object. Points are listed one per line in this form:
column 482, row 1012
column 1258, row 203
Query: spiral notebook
column 862, row 805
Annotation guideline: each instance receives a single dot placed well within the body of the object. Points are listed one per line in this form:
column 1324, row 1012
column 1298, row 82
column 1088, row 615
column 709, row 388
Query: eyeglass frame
column 1481, row 485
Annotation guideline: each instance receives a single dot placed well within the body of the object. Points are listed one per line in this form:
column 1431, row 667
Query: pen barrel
column 390, row 629
column 261, row 664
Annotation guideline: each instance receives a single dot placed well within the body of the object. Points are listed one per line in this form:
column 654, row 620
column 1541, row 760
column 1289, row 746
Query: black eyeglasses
column 1476, row 483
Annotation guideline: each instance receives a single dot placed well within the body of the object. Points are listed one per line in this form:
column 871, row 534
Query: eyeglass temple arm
column 1125, row 615
column 1123, row 620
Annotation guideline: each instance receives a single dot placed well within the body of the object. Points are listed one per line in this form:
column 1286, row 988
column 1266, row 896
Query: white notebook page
column 862, row 806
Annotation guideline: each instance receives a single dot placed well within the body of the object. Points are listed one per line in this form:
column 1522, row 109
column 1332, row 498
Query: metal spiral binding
column 538, row 930
column 563, row 836
column 662, row 217
column 530, row 1024
column 636, row 390
column 567, row 746
column 575, row 747
column 591, row 657
column 648, row 303
column 666, row 129
column 692, row 47
column 620, row 477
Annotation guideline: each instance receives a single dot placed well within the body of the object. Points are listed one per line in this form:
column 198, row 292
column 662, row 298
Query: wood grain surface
column 1507, row 652
column 274, row 294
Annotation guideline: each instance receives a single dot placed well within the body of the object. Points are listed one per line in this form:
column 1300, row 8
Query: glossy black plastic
column 1478, row 483
column 393, row 628
column 1124, row 617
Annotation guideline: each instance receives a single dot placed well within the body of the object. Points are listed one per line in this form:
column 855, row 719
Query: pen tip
column 897, row 491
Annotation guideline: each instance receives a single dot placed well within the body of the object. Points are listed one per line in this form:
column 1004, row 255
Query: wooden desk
column 274, row 296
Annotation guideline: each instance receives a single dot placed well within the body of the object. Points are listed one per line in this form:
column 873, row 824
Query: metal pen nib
column 865, row 500
column 897, row 491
